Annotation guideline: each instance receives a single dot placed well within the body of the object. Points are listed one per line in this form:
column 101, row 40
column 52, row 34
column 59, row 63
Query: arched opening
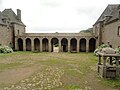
column 64, row 45
column 28, row 44
column 45, row 45
column 92, row 44
column 36, row 44
column 54, row 42
column 73, row 45
column 20, row 44
column 82, row 45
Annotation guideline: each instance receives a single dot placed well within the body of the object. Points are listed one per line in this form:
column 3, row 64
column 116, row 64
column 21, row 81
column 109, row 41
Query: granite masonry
column 106, row 29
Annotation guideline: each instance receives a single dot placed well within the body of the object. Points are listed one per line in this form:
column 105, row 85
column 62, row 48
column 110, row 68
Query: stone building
column 67, row 42
column 10, row 24
column 107, row 27
column 12, row 32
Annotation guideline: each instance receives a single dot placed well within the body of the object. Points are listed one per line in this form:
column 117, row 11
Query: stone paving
column 45, row 80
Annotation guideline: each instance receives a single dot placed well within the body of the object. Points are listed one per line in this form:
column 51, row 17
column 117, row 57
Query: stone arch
column 64, row 45
column 36, row 44
column 73, row 45
column 92, row 44
column 54, row 41
column 20, row 44
column 28, row 44
column 82, row 44
column 45, row 46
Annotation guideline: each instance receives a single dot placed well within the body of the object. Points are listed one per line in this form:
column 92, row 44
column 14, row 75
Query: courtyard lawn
column 52, row 71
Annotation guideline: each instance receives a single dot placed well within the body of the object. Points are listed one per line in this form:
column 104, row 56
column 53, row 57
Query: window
column 119, row 14
column 18, row 32
column 118, row 30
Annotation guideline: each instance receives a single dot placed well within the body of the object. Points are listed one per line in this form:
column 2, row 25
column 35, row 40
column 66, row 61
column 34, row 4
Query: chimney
column 19, row 14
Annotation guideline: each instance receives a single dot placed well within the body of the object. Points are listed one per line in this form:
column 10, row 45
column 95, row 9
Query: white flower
column 33, row 85
column 12, row 86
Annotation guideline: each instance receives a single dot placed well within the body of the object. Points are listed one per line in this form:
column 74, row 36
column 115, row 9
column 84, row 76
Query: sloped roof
column 11, row 16
column 1, row 16
column 111, row 11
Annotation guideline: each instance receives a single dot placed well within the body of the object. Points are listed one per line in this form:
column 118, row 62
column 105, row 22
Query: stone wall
column 69, row 45
column 19, row 29
column 110, row 33
column 6, row 35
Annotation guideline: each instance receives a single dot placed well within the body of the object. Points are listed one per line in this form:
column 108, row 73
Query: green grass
column 76, row 66
column 8, row 66
column 111, row 82
column 72, row 87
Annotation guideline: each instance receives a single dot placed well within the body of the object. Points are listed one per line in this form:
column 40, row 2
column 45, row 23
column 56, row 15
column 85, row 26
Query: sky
column 62, row 16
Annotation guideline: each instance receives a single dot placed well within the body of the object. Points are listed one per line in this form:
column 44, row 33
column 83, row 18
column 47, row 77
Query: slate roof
column 1, row 18
column 9, row 15
column 111, row 11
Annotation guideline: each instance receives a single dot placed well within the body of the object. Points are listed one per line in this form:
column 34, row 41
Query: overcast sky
column 50, row 16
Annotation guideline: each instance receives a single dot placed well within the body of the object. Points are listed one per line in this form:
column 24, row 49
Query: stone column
column 41, row 45
column 16, row 44
column 87, row 45
column 24, row 44
column 32, row 44
column 77, row 45
column 68, row 45
column 104, row 67
column 49, row 45
column 99, row 60
column 60, row 45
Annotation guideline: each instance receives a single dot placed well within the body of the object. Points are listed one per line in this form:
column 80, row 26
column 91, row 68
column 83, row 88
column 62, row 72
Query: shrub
column 117, row 50
column 5, row 49
column 99, row 48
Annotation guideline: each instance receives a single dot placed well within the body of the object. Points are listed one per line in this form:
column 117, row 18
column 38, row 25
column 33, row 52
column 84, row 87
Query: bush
column 117, row 50
column 100, row 48
column 5, row 49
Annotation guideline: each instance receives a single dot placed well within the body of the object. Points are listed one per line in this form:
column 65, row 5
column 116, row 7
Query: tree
column 89, row 30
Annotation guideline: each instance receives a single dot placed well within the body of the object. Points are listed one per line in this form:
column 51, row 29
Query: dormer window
column 4, row 20
column 107, row 18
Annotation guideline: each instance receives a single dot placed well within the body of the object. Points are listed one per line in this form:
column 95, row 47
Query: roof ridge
column 113, row 4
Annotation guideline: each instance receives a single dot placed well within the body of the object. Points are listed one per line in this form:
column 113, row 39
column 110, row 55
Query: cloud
column 50, row 3
column 52, row 30
column 0, row 1
column 58, row 15
column 0, row 4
